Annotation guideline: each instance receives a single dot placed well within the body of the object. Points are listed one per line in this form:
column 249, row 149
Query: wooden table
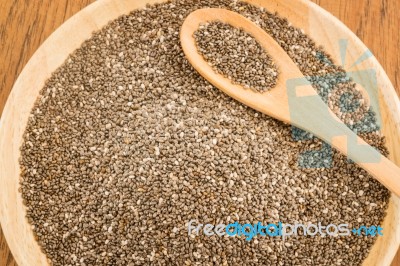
column 24, row 25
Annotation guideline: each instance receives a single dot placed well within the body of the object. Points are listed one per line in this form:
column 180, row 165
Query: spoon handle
column 292, row 101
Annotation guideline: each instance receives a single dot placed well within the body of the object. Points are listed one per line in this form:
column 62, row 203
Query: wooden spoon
column 293, row 100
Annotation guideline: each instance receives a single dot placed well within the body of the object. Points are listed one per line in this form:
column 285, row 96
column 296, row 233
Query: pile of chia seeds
column 236, row 55
column 127, row 143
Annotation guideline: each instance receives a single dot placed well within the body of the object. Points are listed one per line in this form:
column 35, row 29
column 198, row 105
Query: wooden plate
column 325, row 29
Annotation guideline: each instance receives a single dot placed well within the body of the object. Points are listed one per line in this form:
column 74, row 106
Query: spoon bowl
column 293, row 100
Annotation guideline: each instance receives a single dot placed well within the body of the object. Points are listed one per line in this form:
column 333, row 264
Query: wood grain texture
column 24, row 25
column 376, row 23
